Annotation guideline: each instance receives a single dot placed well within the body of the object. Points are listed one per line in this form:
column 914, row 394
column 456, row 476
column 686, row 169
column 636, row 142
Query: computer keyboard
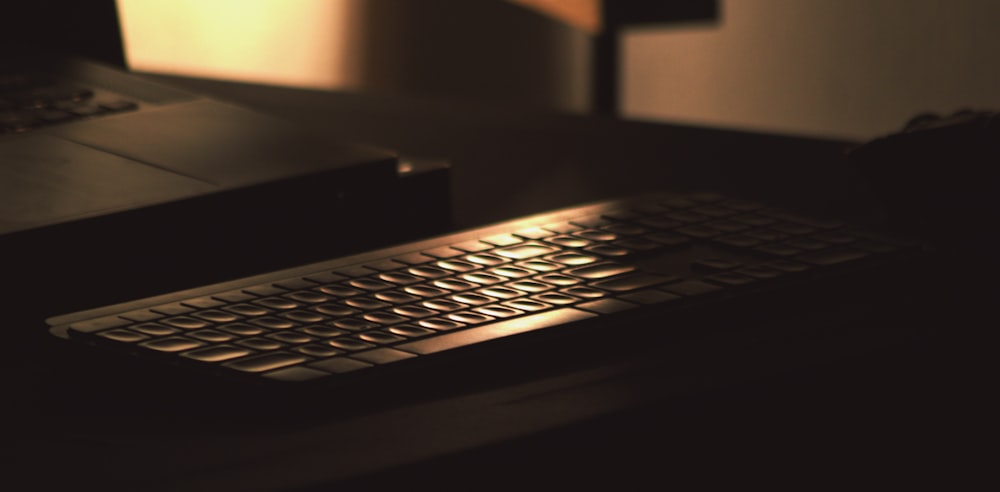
column 397, row 307
column 29, row 101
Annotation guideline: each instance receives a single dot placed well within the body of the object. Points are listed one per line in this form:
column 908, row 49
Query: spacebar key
column 493, row 331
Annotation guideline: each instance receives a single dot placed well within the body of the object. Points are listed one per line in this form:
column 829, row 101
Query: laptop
column 106, row 173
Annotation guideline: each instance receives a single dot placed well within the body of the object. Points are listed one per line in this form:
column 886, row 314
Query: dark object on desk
column 938, row 178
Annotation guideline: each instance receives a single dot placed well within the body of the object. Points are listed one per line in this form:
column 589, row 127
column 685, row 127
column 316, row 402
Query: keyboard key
column 411, row 331
column 385, row 318
column 584, row 292
column 380, row 338
column 385, row 265
column 440, row 324
column 261, row 344
column 216, row 316
column 295, row 373
column 555, row 298
column 336, row 310
column 527, row 305
column 600, row 270
column 498, row 311
column 426, row 291
column 272, row 323
column 265, row 290
column 291, row 337
column 201, row 303
column 472, row 246
column 691, row 288
column 633, row 281
column 217, row 353
column 596, row 235
column 423, row 312
column 573, row 259
column 339, row 290
column 353, row 324
column 186, row 322
column 569, row 241
column 382, row 356
column 349, row 344
column 512, row 272
column 561, row 227
column 501, row 292
column 322, row 331
column 98, row 324
column 242, row 329
column 172, row 344
column 279, row 303
column 308, row 296
column 427, row 271
column 494, row 331
column 607, row 306
column 339, row 365
column 485, row 259
column 609, row 250
column 533, row 233
column 558, row 279
column 295, row 284
column 143, row 315
column 366, row 303
column 482, row 278
column 399, row 278
column 525, row 251
column 247, row 310
column 325, row 277
column 469, row 317
column 539, row 265
column 452, row 284
column 501, row 240
column 414, row 258
column 444, row 252
column 530, row 286
column 457, row 265
column 300, row 316
column 395, row 297
column 369, row 284
column 211, row 336
column 355, row 271
column 314, row 350
column 122, row 335
column 173, row 309
column 649, row 296
column 154, row 329
column 474, row 298
column 267, row 362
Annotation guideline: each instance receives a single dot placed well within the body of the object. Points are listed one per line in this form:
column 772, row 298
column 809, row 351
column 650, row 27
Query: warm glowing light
column 582, row 14
column 298, row 43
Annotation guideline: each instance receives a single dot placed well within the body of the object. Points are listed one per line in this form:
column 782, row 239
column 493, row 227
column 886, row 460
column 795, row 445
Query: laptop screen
column 87, row 29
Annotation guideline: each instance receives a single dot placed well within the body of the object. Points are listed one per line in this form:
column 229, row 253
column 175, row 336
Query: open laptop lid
column 87, row 29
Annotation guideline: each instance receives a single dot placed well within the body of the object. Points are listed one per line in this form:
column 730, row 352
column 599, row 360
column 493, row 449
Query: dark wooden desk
column 721, row 410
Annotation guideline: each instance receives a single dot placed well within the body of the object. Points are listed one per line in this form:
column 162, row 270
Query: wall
column 493, row 50
column 840, row 68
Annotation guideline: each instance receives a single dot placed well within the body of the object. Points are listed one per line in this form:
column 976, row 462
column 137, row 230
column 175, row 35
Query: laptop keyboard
column 407, row 303
column 28, row 102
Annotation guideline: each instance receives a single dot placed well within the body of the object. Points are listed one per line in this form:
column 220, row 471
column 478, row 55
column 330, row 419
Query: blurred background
column 851, row 69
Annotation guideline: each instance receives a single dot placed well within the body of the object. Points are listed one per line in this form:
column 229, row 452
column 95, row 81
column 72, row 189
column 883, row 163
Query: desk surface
column 716, row 410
